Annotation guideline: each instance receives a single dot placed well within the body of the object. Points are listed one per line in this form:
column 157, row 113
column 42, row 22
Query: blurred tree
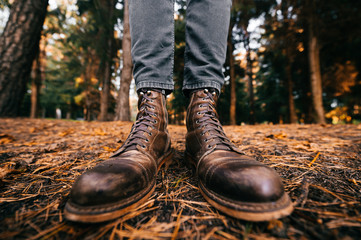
column 283, row 45
column 105, row 16
column 231, row 64
column 287, row 59
column 72, row 66
column 36, row 80
column 314, row 60
column 341, row 65
column 81, row 50
column 122, row 112
column 289, row 40
column 243, row 12
column 4, row 3
column 107, row 8
column 272, row 93
column 4, row 14
column 19, row 44
column 52, row 25
column 178, row 103
column 223, row 109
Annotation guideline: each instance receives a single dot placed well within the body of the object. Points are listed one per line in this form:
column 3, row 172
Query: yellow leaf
column 67, row 132
column 6, row 138
column 108, row 149
column 99, row 132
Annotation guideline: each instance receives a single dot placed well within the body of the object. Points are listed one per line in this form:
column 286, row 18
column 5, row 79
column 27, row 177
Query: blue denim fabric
column 152, row 34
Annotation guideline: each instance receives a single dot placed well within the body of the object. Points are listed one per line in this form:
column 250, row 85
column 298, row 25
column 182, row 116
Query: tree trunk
column 107, row 10
column 19, row 44
column 315, row 69
column 38, row 76
column 316, row 81
column 123, row 108
column 252, row 119
column 232, row 80
column 105, row 94
column 35, row 87
column 289, row 58
column 291, row 102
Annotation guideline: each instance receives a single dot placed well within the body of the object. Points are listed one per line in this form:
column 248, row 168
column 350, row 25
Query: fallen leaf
column 100, row 132
column 6, row 138
column 108, row 149
column 67, row 132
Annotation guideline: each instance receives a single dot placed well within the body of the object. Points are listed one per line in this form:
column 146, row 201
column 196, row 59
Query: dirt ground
column 39, row 160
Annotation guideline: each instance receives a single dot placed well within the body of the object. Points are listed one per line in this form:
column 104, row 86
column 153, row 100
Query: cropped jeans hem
column 154, row 84
column 203, row 84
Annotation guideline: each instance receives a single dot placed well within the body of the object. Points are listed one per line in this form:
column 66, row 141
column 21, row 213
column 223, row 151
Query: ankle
column 188, row 92
column 165, row 92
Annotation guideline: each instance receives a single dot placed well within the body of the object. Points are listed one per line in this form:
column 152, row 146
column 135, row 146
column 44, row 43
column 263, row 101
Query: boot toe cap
column 243, row 182
column 108, row 183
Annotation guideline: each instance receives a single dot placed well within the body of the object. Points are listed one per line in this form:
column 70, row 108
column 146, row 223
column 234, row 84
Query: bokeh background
column 288, row 61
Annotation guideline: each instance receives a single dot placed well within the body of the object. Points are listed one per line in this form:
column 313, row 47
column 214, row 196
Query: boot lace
column 145, row 120
column 210, row 124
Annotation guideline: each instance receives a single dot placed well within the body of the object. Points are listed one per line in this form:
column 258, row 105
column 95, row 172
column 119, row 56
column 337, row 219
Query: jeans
column 152, row 34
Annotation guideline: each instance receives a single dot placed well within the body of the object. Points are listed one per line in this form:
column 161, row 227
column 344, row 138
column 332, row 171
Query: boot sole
column 255, row 212
column 103, row 213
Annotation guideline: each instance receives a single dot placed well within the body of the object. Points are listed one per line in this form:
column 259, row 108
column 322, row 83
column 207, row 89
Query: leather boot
column 233, row 183
column 128, row 178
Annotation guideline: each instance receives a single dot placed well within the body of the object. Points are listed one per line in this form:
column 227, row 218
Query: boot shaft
column 200, row 101
column 149, row 133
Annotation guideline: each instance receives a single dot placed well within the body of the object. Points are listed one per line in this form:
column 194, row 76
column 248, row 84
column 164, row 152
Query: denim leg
column 206, row 43
column 152, row 34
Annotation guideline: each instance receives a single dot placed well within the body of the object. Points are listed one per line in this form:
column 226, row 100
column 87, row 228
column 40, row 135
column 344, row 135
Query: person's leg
column 152, row 34
column 233, row 183
column 207, row 23
column 127, row 179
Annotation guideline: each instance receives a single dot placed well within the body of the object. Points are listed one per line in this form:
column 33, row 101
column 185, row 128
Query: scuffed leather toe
column 233, row 183
column 110, row 181
column 241, row 179
column 126, row 181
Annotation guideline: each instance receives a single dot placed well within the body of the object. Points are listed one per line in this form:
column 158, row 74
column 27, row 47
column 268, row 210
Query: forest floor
column 39, row 160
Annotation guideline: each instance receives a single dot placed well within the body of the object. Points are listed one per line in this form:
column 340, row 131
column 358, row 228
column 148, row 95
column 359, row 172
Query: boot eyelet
column 206, row 90
column 202, row 134
column 198, row 113
column 206, row 140
column 151, row 100
column 143, row 146
column 197, row 121
column 209, row 146
column 200, row 105
column 147, row 140
column 150, row 134
column 155, row 121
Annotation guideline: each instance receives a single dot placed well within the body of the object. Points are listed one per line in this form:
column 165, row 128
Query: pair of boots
column 233, row 183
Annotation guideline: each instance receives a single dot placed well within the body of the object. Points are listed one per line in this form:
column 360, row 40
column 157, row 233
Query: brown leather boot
column 128, row 178
column 235, row 184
